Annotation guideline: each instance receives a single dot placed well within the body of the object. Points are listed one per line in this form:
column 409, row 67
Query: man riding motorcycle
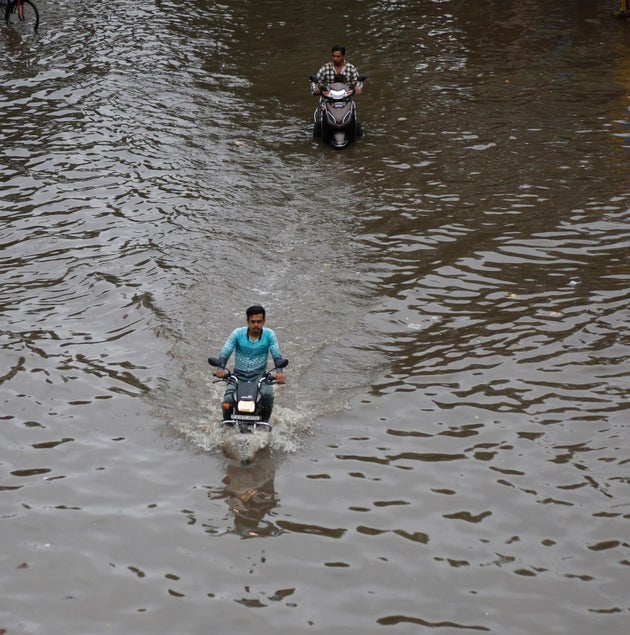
column 251, row 346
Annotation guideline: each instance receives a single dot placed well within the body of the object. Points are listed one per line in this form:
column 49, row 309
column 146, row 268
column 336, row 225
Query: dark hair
column 255, row 309
column 338, row 47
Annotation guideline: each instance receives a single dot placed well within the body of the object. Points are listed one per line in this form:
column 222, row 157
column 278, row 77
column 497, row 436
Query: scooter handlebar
column 315, row 80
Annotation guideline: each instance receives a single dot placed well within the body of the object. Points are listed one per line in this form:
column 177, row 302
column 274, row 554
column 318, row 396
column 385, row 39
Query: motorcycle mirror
column 214, row 361
column 314, row 79
column 361, row 78
column 283, row 363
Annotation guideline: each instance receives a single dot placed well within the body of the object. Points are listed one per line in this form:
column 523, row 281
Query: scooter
column 335, row 118
column 244, row 431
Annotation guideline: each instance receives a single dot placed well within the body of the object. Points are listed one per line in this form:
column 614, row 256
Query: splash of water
column 289, row 429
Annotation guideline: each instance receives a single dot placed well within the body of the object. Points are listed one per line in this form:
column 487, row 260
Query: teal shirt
column 250, row 358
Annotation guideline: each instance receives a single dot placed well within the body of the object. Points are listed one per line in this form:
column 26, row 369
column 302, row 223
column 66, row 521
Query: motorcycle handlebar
column 230, row 377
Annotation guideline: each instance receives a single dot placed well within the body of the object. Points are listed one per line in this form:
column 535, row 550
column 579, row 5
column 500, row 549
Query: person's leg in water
column 266, row 401
column 227, row 406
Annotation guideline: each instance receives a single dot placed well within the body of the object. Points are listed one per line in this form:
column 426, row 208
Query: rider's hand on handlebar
column 220, row 373
column 280, row 378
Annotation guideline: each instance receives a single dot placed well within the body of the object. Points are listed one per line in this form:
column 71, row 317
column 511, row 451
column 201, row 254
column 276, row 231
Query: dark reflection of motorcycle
column 335, row 118
column 249, row 491
column 244, row 433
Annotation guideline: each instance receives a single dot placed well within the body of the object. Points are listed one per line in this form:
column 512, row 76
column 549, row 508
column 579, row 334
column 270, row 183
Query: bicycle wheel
column 22, row 11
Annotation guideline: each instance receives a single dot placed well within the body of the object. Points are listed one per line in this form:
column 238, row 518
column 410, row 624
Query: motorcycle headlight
column 246, row 406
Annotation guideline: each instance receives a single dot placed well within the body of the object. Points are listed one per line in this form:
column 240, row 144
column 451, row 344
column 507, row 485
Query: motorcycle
column 244, row 432
column 335, row 118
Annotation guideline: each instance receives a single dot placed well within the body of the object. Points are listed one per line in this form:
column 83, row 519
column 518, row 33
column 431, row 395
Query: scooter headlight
column 337, row 94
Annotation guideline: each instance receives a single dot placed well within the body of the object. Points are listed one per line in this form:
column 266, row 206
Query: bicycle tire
column 11, row 7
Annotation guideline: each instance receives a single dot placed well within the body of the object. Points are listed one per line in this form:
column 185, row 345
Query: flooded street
column 450, row 453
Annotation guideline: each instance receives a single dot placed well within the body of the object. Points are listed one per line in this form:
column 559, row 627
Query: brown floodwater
column 450, row 453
